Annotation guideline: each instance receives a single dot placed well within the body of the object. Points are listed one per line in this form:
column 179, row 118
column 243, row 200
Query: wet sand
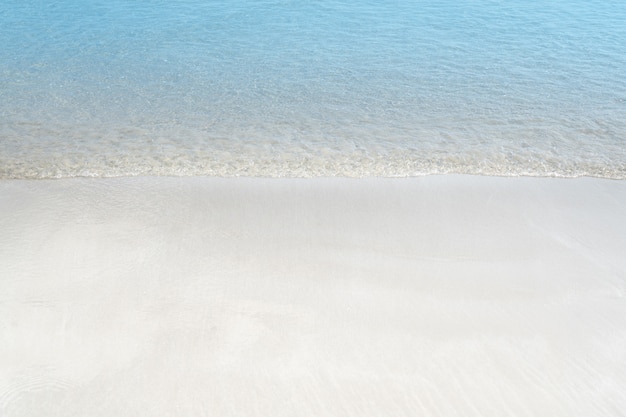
column 434, row 296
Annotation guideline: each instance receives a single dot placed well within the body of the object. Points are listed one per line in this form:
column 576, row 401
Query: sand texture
column 433, row 296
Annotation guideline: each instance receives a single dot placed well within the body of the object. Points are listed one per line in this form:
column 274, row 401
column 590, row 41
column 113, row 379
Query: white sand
column 451, row 296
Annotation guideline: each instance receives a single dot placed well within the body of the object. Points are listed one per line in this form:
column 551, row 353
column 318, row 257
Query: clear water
column 312, row 88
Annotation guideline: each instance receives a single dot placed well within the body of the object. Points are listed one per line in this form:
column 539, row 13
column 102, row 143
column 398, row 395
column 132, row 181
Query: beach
column 436, row 296
column 328, row 208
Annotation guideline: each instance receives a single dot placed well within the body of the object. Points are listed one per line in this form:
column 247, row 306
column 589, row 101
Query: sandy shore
column 451, row 296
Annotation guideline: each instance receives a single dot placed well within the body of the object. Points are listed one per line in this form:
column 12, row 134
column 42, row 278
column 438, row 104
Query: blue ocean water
column 287, row 88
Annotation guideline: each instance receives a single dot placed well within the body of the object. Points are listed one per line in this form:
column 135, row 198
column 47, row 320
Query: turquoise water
column 312, row 88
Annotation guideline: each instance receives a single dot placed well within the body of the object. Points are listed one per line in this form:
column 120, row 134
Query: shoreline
column 436, row 295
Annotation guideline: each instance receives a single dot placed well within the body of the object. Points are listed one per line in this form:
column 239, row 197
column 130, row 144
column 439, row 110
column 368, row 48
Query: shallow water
column 323, row 88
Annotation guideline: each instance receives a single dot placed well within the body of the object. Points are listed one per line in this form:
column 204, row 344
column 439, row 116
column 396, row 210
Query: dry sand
column 434, row 296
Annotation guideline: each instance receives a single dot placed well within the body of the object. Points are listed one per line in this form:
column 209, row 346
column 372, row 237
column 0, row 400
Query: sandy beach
column 431, row 296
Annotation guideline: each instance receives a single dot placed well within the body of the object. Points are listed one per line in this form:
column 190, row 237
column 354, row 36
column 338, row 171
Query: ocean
column 319, row 88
